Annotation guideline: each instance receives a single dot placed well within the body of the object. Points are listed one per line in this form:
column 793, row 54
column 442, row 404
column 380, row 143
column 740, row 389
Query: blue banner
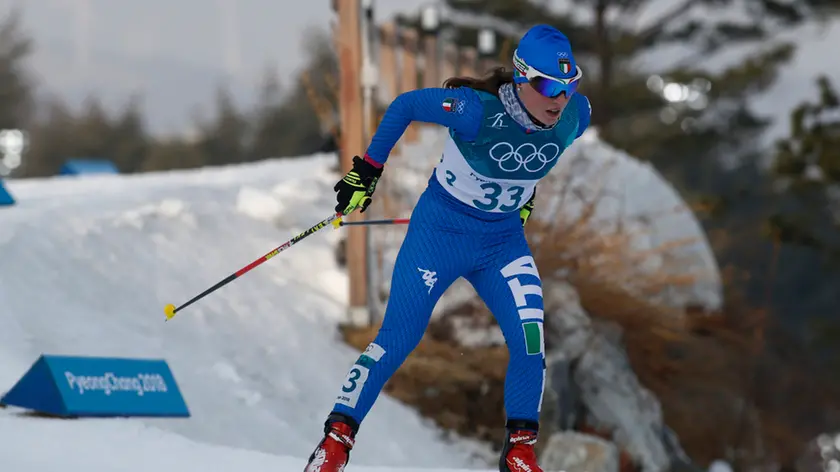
column 98, row 386
column 88, row 166
column 5, row 197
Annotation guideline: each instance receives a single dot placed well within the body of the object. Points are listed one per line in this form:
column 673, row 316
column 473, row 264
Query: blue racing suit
column 466, row 224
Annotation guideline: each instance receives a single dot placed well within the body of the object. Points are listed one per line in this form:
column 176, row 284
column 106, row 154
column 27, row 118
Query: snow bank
column 88, row 264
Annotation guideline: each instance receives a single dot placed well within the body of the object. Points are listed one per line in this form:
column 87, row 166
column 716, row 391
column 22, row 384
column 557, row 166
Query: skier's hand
column 526, row 209
column 357, row 187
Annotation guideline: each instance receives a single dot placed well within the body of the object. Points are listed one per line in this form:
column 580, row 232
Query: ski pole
column 334, row 219
column 394, row 221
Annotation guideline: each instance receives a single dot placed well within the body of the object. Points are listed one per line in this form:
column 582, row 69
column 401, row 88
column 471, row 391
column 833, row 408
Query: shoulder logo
column 449, row 104
column 497, row 121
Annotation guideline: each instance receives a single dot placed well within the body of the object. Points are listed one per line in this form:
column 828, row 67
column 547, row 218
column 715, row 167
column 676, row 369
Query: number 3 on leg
column 352, row 377
column 352, row 387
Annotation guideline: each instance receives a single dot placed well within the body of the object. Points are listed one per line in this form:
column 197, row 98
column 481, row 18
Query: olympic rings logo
column 525, row 156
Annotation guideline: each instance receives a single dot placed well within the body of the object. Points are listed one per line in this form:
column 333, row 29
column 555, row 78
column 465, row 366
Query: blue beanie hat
column 547, row 50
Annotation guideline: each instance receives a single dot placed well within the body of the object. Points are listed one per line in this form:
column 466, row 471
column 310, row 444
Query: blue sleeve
column 584, row 114
column 459, row 109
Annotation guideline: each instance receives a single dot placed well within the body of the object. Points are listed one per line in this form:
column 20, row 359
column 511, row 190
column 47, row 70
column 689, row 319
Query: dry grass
column 602, row 265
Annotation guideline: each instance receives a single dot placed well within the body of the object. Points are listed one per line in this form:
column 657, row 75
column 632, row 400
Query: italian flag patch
column 565, row 66
column 449, row 104
column 534, row 338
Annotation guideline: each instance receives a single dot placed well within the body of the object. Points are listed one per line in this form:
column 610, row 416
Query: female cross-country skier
column 506, row 132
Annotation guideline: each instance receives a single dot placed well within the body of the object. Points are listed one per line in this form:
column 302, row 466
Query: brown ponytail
column 490, row 82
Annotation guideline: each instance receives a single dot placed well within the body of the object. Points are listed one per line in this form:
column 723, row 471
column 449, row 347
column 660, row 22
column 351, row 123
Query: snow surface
column 86, row 266
column 48, row 445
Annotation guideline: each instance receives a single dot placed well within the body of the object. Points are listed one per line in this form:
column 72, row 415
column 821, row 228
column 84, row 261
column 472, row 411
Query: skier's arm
column 584, row 114
column 458, row 109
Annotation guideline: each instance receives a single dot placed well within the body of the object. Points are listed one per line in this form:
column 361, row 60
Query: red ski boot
column 333, row 451
column 518, row 453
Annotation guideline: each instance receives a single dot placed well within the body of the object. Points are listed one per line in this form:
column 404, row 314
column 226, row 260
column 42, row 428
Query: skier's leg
column 441, row 245
column 512, row 289
column 510, row 285
column 425, row 267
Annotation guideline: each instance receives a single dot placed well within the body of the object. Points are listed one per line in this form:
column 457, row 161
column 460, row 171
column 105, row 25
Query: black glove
column 357, row 187
column 526, row 209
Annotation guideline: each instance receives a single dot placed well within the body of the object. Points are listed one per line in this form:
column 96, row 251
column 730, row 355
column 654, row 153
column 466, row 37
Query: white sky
column 114, row 47
column 176, row 52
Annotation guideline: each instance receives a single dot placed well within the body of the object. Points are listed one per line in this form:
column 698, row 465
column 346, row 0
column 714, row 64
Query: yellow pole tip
column 336, row 223
column 169, row 310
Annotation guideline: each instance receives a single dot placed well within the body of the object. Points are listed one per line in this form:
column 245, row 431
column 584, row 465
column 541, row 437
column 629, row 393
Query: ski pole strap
column 393, row 221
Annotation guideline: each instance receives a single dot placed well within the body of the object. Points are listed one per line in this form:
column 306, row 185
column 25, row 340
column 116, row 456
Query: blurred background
column 726, row 111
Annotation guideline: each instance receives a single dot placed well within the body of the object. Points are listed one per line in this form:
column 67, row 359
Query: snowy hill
column 87, row 265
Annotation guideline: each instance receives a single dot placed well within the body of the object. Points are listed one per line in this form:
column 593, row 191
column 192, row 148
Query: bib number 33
column 496, row 198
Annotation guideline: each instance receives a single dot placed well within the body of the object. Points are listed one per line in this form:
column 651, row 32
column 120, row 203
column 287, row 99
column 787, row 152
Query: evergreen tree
column 130, row 139
column 269, row 132
column 173, row 153
column 303, row 120
column 16, row 85
column 806, row 218
column 223, row 139
column 50, row 139
column 91, row 134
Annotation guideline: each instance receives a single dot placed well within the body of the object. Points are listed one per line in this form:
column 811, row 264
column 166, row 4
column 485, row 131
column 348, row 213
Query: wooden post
column 448, row 61
column 408, row 79
column 431, row 67
column 388, row 73
column 431, row 76
column 389, row 70
column 485, row 63
column 468, row 61
column 352, row 143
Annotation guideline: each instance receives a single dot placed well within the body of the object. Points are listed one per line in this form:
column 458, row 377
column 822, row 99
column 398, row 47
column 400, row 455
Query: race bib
column 479, row 191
